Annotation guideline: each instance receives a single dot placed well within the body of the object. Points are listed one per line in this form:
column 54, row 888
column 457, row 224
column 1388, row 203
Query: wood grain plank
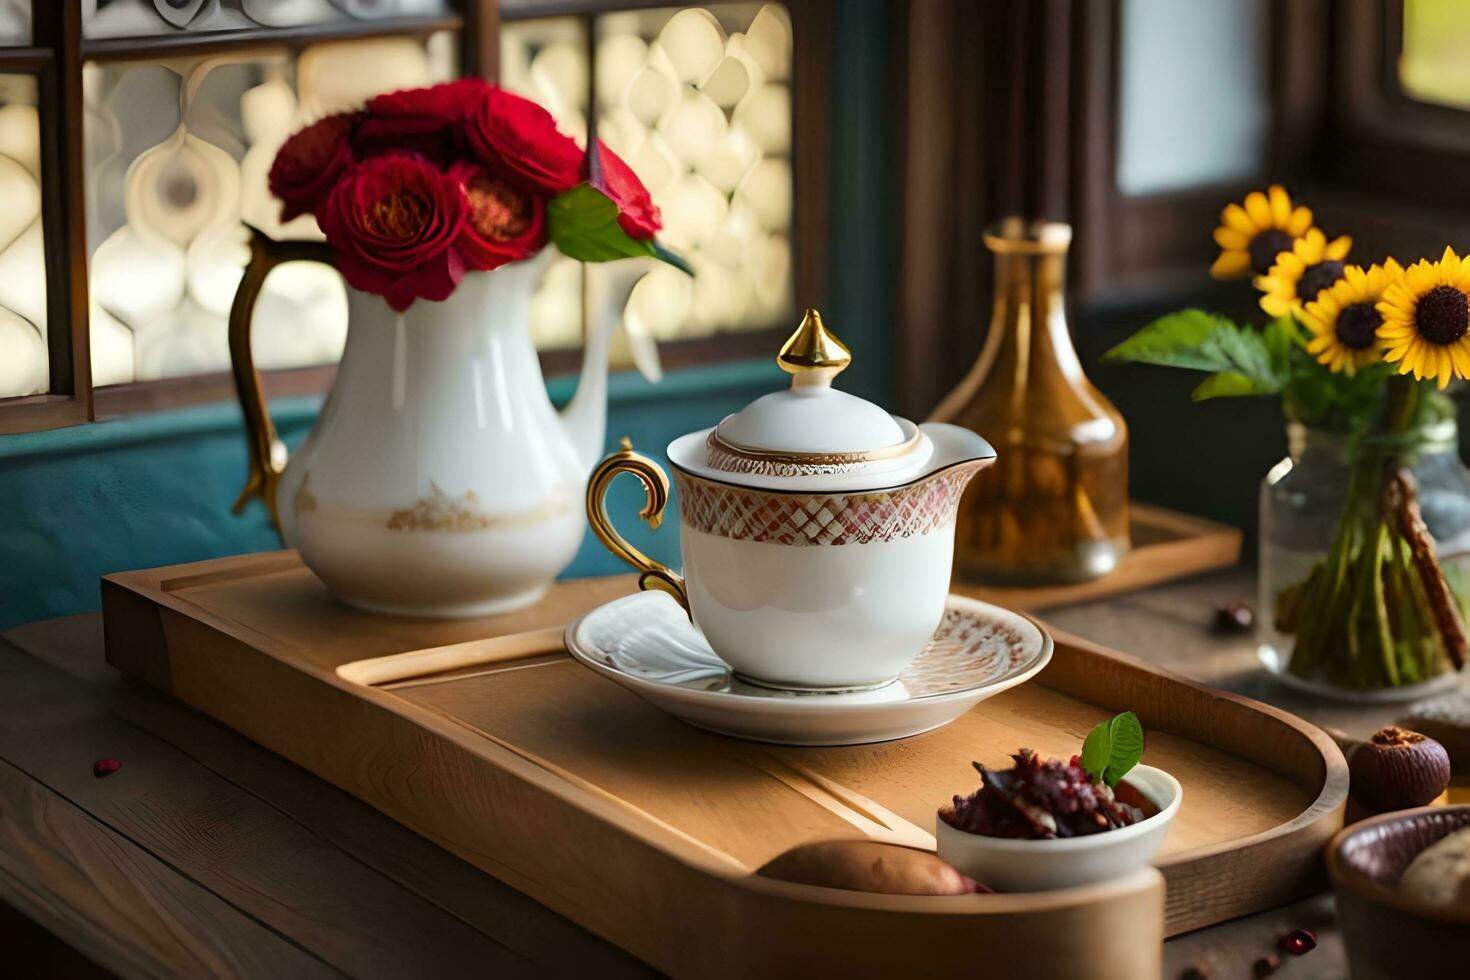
column 226, row 840
column 555, row 944
column 119, row 905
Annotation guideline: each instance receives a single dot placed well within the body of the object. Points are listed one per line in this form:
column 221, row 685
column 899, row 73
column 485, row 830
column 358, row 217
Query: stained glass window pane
column 24, row 362
column 698, row 102
column 1195, row 101
column 15, row 22
column 142, row 18
column 1435, row 63
column 177, row 157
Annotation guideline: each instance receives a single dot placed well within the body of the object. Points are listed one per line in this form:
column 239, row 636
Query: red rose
column 517, row 136
column 504, row 224
column 428, row 121
column 637, row 214
column 394, row 221
column 308, row 164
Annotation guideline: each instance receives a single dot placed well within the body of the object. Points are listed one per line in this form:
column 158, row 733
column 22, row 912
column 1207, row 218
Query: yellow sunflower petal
column 1290, row 265
column 1319, row 344
column 1234, row 216
column 1231, row 240
column 1339, row 247
column 1259, row 209
column 1231, row 265
column 1460, row 355
column 1280, row 206
column 1299, row 222
column 1275, row 304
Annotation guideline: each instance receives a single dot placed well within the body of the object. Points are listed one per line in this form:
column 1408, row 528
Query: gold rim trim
column 812, row 459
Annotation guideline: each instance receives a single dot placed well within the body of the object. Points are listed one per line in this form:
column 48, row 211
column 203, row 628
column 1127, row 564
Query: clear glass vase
column 1303, row 500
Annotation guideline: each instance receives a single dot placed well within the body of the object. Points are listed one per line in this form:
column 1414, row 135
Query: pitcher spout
column 585, row 418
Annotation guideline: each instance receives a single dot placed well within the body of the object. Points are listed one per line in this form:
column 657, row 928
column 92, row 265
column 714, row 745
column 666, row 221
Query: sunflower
column 1425, row 317
column 1312, row 265
column 1344, row 318
column 1251, row 236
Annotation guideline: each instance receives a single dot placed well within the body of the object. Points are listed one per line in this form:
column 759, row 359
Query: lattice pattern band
column 748, row 514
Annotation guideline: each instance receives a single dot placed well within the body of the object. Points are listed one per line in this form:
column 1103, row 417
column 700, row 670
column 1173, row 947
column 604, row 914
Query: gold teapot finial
column 813, row 355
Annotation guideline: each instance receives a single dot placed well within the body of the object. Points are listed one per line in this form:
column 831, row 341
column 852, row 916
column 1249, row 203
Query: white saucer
column 646, row 643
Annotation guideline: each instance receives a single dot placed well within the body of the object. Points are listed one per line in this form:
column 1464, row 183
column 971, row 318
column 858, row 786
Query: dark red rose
column 505, row 224
column 308, row 164
column 394, row 221
column 428, row 121
column 515, row 135
column 453, row 101
column 637, row 214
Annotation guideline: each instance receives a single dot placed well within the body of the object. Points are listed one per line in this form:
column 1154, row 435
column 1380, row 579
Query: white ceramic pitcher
column 438, row 480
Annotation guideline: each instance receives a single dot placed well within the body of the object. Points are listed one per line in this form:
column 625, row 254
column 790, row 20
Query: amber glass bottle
column 1054, row 507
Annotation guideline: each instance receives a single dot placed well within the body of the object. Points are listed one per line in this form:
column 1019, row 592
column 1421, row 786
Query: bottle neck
column 1028, row 327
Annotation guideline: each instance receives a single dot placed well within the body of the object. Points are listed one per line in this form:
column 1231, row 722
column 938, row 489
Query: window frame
column 58, row 52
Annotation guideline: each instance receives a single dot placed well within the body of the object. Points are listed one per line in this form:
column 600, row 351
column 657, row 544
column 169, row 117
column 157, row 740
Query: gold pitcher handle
column 267, row 452
column 653, row 574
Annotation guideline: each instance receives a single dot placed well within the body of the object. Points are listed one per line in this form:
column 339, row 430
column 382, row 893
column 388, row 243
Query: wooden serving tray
column 644, row 830
column 1167, row 545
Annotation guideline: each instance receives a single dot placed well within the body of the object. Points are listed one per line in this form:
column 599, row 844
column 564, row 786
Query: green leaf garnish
column 1113, row 748
column 583, row 224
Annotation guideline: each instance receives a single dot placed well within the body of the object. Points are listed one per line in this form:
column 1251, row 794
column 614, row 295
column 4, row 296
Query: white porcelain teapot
column 817, row 529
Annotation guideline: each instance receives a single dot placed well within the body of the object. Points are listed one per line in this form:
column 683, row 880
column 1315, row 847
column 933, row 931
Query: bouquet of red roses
column 423, row 185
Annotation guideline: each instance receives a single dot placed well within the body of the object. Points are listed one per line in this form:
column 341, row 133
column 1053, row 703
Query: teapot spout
column 955, row 445
column 585, row 418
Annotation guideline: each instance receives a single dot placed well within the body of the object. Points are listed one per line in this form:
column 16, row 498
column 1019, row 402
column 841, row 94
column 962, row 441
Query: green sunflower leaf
column 1241, row 360
column 583, row 224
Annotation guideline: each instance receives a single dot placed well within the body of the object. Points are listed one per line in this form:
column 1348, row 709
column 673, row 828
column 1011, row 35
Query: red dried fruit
column 1037, row 800
column 1298, row 942
column 105, row 767
column 1234, row 617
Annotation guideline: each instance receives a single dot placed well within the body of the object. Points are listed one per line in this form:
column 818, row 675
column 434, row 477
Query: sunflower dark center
column 1264, row 248
column 1357, row 325
column 1318, row 277
column 1442, row 315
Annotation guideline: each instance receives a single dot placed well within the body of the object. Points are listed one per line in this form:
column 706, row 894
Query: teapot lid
column 811, row 427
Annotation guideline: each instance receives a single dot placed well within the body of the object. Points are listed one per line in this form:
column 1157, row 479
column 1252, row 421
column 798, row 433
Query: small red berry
column 1234, row 617
column 1298, row 942
column 105, row 767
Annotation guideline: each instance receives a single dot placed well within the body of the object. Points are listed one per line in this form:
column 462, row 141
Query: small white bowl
column 1009, row 865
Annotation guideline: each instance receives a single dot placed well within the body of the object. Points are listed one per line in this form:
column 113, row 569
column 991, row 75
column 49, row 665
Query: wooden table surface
column 206, row 854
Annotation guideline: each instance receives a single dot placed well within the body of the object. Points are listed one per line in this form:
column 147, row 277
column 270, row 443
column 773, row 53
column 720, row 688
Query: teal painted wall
column 76, row 504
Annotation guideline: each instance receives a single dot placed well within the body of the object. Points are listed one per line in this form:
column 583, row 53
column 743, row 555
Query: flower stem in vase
column 1377, row 611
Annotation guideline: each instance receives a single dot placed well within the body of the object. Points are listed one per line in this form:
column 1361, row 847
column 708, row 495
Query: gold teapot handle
column 653, row 574
column 267, row 452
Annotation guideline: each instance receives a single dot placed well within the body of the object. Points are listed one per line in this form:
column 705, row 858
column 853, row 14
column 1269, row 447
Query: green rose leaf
column 583, row 224
column 1125, row 737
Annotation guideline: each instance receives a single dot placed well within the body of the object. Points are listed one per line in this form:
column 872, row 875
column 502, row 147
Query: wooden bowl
column 1389, row 933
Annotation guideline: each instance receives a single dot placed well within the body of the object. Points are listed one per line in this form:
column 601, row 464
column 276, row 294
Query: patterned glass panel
column 177, row 157
column 143, row 18
column 15, row 22
column 698, row 101
column 1195, row 102
column 1435, row 63
column 24, row 363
